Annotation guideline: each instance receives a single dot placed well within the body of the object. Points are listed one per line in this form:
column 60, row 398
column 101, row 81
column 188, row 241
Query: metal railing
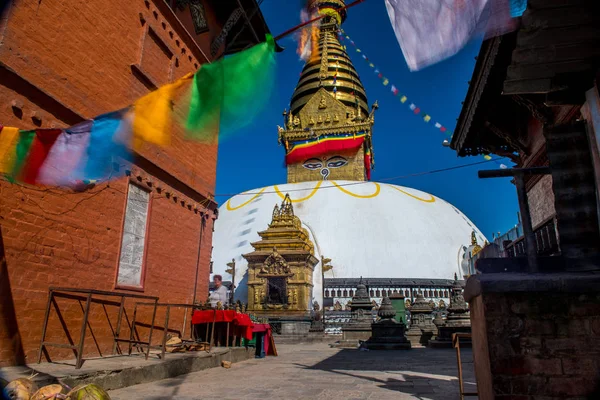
column 87, row 295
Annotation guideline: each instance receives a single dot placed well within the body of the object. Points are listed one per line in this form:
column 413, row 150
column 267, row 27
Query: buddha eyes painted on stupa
column 336, row 162
column 333, row 162
column 313, row 163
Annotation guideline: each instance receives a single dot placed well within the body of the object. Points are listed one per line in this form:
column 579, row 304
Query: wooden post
column 82, row 335
column 45, row 326
column 118, row 331
column 519, row 175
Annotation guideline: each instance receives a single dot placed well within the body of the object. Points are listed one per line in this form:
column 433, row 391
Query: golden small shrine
column 281, row 267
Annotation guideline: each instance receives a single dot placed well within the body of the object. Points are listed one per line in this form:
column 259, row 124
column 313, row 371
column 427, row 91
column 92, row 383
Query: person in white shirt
column 220, row 293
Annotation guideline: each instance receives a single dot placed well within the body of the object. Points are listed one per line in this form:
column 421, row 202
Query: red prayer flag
column 42, row 143
column 417, row 110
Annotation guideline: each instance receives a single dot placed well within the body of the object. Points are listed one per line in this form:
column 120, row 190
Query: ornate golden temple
column 327, row 131
column 280, row 269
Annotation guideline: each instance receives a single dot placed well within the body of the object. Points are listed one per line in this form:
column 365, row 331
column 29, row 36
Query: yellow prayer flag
column 427, row 118
column 358, row 50
column 385, row 81
column 403, row 99
column 371, row 65
column 152, row 114
column 9, row 137
column 487, row 157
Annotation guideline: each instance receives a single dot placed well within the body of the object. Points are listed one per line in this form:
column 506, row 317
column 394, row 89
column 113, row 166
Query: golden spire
column 329, row 102
column 332, row 69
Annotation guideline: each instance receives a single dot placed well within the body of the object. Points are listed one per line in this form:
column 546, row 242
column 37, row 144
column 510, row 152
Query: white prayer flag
column 430, row 31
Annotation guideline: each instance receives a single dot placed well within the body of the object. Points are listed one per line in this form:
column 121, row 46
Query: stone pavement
column 316, row 371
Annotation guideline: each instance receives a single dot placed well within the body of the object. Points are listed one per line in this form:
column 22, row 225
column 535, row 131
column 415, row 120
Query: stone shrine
column 422, row 327
column 359, row 326
column 457, row 321
column 387, row 333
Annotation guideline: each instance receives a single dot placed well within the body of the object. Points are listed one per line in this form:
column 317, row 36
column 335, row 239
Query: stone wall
column 63, row 62
column 542, row 344
column 541, row 201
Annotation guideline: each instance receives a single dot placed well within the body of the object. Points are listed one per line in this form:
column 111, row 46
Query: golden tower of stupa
column 327, row 131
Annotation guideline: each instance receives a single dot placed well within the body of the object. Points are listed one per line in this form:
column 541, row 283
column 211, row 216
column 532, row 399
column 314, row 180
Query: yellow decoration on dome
column 360, row 196
column 311, row 194
column 432, row 200
column 230, row 208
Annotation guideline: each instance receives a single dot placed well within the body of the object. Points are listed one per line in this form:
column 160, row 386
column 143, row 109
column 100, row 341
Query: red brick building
column 60, row 64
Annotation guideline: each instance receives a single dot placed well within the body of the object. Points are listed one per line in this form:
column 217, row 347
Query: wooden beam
column 513, row 142
column 539, row 111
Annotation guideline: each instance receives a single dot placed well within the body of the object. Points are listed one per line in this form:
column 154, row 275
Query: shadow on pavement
column 422, row 373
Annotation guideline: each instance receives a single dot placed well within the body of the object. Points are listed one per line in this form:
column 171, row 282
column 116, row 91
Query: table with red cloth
column 268, row 344
column 242, row 324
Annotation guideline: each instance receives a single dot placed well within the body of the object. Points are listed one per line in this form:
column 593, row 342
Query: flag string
column 395, row 91
column 427, row 118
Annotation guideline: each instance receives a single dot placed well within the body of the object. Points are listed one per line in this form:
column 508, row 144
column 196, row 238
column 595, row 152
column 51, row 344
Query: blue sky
column 403, row 143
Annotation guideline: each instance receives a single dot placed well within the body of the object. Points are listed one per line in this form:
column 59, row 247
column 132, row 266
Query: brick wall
column 543, row 345
column 541, row 200
column 65, row 62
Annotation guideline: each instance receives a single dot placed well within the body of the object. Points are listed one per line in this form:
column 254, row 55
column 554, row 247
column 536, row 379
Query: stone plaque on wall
column 134, row 237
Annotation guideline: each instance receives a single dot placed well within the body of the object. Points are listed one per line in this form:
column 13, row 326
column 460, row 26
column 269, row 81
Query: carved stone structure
column 359, row 326
column 422, row 328
column 387, row 333
column 280, row 270
column 457, row 321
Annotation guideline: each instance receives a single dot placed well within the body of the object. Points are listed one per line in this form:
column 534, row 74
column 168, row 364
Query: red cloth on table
column 266, row 328
column 241, row 322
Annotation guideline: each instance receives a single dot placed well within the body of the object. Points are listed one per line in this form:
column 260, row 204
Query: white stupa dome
column 368, row 229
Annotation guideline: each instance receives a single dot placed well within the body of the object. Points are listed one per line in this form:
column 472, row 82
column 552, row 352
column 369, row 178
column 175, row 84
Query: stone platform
column 122, row 371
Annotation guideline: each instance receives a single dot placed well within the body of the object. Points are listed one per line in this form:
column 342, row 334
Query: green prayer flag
column 230, row 93
column 22, row 150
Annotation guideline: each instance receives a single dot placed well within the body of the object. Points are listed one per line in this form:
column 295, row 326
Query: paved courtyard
column 316, row 371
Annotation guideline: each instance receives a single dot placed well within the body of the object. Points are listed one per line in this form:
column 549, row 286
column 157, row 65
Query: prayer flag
column 358, row 50
column 153, row 113
column 403, row 99
column 443, row 129
column 412, row 107
column 487, row 157
column 430, row 31
column 438, row 125
column 43, row 140
column 427, row 118
column 394, row 90
column 229, row 93
column 67, row 157
column 517, row 7
column 417, row 110
column 385, row 81
column 371, row 65
column 376, row 71
column 108, row 146
column 380, row 75
column 9, row 138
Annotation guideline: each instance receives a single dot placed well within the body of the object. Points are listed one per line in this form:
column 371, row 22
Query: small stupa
column 387, row 333
column 359, row 327
column 458, row 319
column 422, row 327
